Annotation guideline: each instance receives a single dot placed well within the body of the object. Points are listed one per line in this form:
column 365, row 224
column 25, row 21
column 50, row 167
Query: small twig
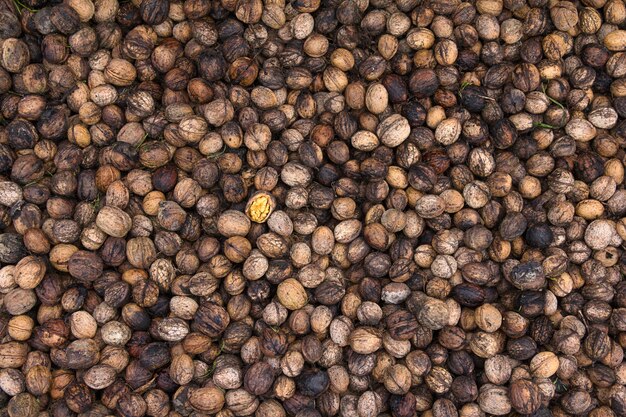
column 558, row 103
column 463, row 86
column 209, row 371
column 141, row 142
column 486, row 98
column 559, row 386
column 218, row 153
column 544, row 125
column 96, row 202
column 21, row 6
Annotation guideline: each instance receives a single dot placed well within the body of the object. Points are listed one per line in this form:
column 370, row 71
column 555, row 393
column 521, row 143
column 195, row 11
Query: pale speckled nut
column 442, row 27
column 618, row 88
column 398, row 23
column 498, row 369
column 564, row 15
column 396, row 348
column 233, row 223
column 544, row 364
column 435, row 115
column 589, row 209
column 590, row 20
column 398, row 379
column 454, row 201
column 561, row 285
column 421, row 38
column 393, row 220
column 393, row 130
column 490, row 7
column 302, row 25
column 292, row 363
column 615, row 65
column 273, row 16
column 430, row 206
column 300, row 254
column 424, row 256
column 615, row 40
column 347, row 230
column 376, row 98
column 365, row 340
column 113, row 221
column 255, row 266
column 29, row 272
column 323, row 240
column 603, row 118
column 342, row 59
column 556, row 46
column 99, row 377
column 260, row 206
column 10, row 193
column 485, row 345
column 340, row 330
column 296, row 175
column 443, row 266
column 487, row 27
column 536, row 102
column 511, row 31
column 280, row 223
column 603, row 188
column 20, row 328
column 446, row 52
column 263, row 98
column 476, row 194
column 7, row 278
column 219, row 112
column 433, row 314
column 292, row 294
column 494, row 400
column 335, row 79
column 387, row 46
column 115, row 333
column 83, row 325
column 599, row 234
column 580, row 130
column 172, row 329
column 364, row 140
column 481, row 162
column 183, row 307
column 522, row 121
column 368, row 404
column 448, row 131
column 395, row 293
column 316, row 45
column 488, row 318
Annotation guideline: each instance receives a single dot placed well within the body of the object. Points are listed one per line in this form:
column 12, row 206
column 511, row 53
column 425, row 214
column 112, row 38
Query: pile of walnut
column 312, row 208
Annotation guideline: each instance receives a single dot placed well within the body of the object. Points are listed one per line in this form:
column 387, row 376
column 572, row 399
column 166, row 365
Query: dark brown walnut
column 23, row 405
column 401, row 325
column 211, row 319
column 86, row 266
column 78, row 397
column 259, row 378
column 525, row 396
column 313, row 382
